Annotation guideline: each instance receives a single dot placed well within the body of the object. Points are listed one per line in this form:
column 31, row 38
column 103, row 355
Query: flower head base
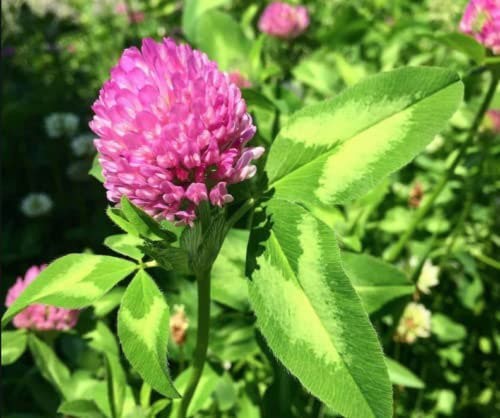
column 414, row 323
column 482, row 20
column 283, row 20
column 172, row 131
column 39, row 317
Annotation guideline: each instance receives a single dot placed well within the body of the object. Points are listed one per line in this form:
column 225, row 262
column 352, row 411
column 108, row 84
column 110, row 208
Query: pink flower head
column 283, row 20
column 239, row 79
column 172, row 131
column 494, row 120
column 39, row 317
column 482, row 21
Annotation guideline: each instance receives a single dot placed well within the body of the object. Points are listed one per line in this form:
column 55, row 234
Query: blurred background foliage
column 56, row 55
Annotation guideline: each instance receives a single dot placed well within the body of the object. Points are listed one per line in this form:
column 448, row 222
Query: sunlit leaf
column 13, row 345
column 73, row 281
column 312, row 318
column 143, row 329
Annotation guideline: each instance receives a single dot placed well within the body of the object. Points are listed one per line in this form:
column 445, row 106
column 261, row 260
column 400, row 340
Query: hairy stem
column 422, row 211
column 200, row 354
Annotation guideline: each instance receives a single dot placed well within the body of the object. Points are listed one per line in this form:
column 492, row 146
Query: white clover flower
column 414, row 323
column 36, row 204
column 429, row 277
column 60, row 124
column 83, row 145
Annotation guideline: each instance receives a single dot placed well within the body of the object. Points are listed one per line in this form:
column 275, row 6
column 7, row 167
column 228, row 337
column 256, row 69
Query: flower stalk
column 422, row 211
column 202, row 333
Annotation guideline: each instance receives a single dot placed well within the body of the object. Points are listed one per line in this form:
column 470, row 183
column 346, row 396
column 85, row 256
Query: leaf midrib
column 273, row 237
column 330, row 151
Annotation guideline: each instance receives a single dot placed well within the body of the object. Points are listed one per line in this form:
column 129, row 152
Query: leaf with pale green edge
column 125, row 244
column 144, row 224
column 229, row 285
column 73, row 281
column 375, row 281
column 13, row 345
column 464, row 44
column 446, row 329
column 191, row 12
column 402, row 376
column 96, row 170
column 108, row 302
column 311, row 316
column 49, row 365
column 333, row 152
column 223, row 40
column 81, row 409
column 203, row 394
column 143, row 330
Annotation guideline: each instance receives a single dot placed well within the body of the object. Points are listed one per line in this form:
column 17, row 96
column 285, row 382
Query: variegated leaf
column 143, row 327
column 312, row 317
column 73, row 281
column 332, row 152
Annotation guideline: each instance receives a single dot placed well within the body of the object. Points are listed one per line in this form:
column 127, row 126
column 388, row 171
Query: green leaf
column 102, row 339
column 73, row 281
column 81, row 409
column 143, row 327
column 204, row 390
column 96, row 169
column 222, row 39
column 125, row 244
column 447, row 330
column 375, row 281
column 229, row 285
column 254, row 98
column 312, row 318
column 49, row 364
column 464, row 44
column 13, row 345
column 144, row 224
column 335, row 151
column 192, row 10
column 108, row 302
column 400, row 375
column 117, row 382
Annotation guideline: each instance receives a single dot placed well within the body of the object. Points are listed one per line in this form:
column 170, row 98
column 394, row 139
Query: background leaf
column 333, row 152
column 375, row 281
column 73, row 281
column 49, row 365
column 81, row 409
column 400, row 375
column 143, row 331
column 13, row 345
column 313, row 319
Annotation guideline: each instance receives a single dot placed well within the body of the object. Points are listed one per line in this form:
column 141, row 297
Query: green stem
column 239, row 213
column 422, row 211
column 200, row 353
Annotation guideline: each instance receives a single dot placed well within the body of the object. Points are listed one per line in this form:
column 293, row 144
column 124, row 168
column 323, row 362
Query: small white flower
column 226, row 365
column 36, row 204
column 429, row 277
column 83, row 145
column 414, row 323
column 60, row 124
